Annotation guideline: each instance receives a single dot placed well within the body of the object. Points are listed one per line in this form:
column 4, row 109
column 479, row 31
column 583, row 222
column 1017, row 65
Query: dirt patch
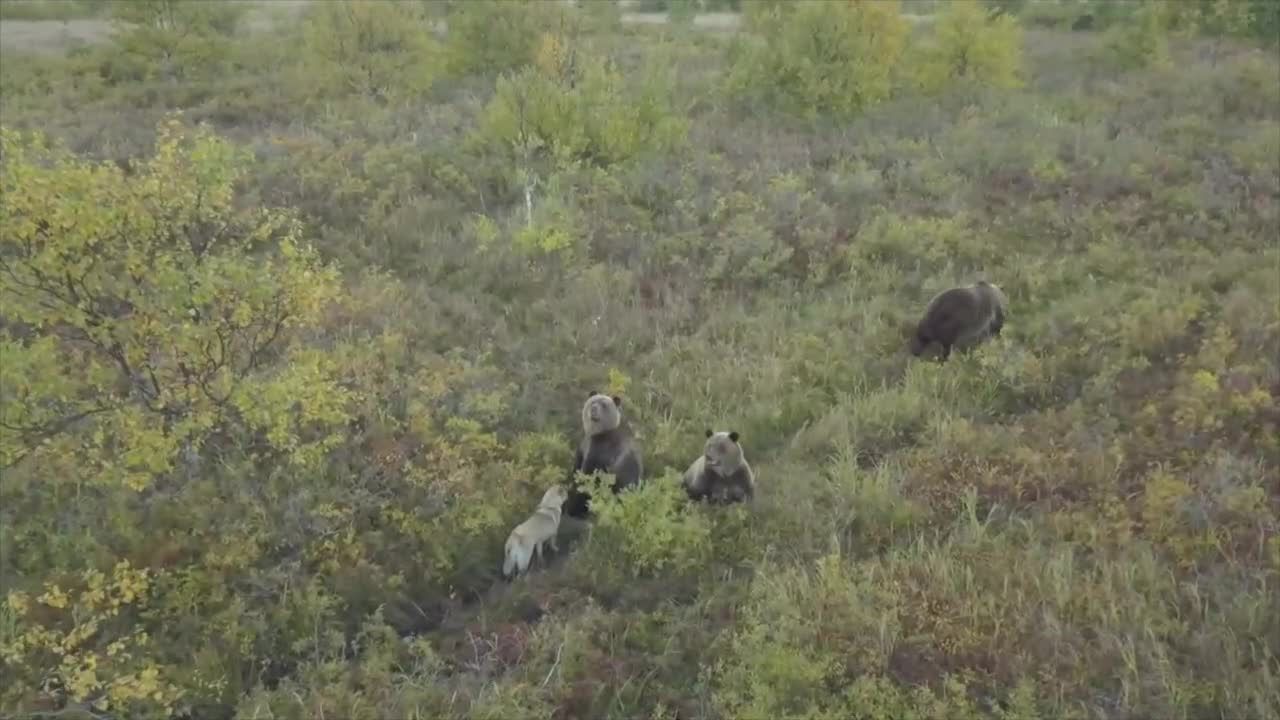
column 265, row 16
column 704, row 21
column 52, row 36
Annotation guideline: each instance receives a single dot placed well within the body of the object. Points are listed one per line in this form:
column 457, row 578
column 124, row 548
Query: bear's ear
column 592, row 394
column 709, row 433
column 617, row 401
column 734, row 436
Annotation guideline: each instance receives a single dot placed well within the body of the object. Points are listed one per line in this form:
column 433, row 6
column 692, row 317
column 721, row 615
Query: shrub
column 377, row 49
column 1141, row 42
column 758, row 14
column 177, row 39
column 969, row 44
column 1265, row 21
column 651, row 529
column 85, row 638
column 493, row 36
column 1076, row 520
column 592, row 116
column 820, row 58
column 152, row 313
column 803, row 631
column 549, row 119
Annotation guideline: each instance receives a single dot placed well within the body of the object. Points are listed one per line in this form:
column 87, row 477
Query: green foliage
column 1142, row 42
column 801, row 632
column 153, row 290
column 681, row 12
column 1077, row 519
column 494, row 36
column 89, row 635
column 650, row 530
column 820, row 58
column 757, row 15
column 968, row 44
column 1265, row 21
column 1007, row 7
column 1216, row 18
column 569, row 111
column 176, row 40
column 550, row 120
column 376, row 49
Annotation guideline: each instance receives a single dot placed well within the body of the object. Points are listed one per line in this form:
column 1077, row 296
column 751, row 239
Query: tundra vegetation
column 300, row 301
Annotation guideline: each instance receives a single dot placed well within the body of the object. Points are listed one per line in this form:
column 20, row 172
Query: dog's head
column 554, row 496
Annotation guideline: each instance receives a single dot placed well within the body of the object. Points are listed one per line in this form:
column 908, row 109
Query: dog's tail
column 517, row 556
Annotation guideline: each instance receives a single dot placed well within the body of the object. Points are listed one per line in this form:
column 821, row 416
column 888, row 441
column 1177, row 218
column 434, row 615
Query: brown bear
column 721, row 474
column 961, row 317
column 607, row 446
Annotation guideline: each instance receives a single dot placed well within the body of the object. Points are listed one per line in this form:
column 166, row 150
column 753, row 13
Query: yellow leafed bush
column 168, row 305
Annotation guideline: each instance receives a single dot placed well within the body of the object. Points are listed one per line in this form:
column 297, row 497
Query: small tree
column 572, row 108
column 146, row 314
column 1213, row 19
column 756, row 14
column 971, row 44
column 1264, row 21
column 832, row 58
column 492, row 36
column 378, row 49
column 1143, row 41
column 177, row 39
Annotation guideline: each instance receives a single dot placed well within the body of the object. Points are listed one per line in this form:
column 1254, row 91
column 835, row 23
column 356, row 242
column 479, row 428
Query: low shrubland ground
column 280, row 371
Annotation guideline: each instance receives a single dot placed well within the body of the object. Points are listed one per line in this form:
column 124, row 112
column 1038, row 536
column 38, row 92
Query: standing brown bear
column 607, row 446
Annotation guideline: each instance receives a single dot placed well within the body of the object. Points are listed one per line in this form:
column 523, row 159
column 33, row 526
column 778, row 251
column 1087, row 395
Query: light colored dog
column 527, row 539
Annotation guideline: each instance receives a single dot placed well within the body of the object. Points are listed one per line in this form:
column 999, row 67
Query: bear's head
column 722, row 453
column 601, row 413
column 996, row 294
column 918, row 342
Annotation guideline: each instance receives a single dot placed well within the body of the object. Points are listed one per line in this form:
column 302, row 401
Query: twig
column 554, row 665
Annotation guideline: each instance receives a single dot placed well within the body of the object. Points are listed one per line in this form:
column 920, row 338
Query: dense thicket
column 299, row 304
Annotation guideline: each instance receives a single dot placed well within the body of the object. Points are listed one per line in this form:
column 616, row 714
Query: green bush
column 594, row 118
column 820, row 58
column 374, row 49
column 1077, row 519
column 969, row 45
column 1143, row 41
column 650, row 530
column 494, row 36
column 176, row 40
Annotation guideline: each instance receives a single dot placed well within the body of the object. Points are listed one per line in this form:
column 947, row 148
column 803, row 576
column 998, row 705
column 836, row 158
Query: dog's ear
column 617, row 401
column 709, row 433
column 734, row 436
